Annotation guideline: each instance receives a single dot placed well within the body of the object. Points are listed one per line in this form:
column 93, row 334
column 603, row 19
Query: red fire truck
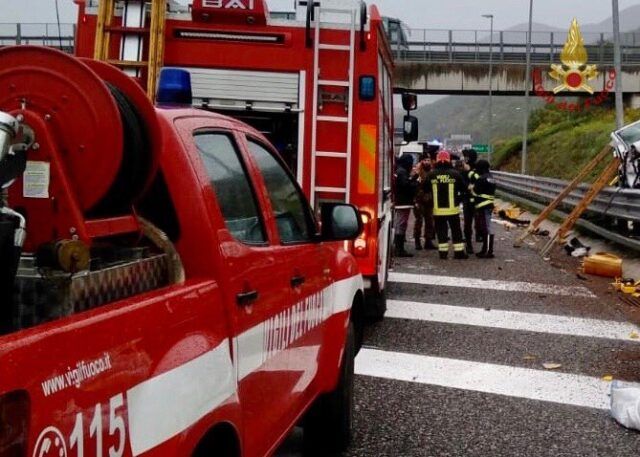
column 317, row 83
column 164, row 287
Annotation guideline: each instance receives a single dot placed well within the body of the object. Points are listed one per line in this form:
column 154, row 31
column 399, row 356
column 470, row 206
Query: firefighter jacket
column 471, row 178
column 447, row 188
column 484, row 191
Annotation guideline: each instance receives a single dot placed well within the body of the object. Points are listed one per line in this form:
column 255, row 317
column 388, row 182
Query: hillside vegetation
column 470, row 115
column 560, row 142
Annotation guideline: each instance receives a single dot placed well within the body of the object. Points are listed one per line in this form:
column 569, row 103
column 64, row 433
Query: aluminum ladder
column 134, row 32
column 319, row 58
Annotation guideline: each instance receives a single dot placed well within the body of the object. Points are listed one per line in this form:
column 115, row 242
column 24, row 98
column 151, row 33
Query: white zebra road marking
column 512, row 320
column 490, row 284
column 563, row 388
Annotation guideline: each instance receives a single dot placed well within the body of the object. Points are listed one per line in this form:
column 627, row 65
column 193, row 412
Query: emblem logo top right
column 574, row 73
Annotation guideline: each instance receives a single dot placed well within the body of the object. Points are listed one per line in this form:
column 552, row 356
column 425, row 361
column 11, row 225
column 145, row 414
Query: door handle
column 246, row 298
column 297, row 281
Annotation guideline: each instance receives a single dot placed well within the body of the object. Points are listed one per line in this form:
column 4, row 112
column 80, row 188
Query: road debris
column 551, row 366
column 603, row 264
column 539, row 232
column 575, row 248
column 512, row 215
column 625, row 404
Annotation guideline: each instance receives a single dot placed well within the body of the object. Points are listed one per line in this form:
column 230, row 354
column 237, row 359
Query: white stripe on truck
column 168, row 404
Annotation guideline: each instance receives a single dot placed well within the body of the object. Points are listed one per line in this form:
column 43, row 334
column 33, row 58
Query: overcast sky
column 447, row 14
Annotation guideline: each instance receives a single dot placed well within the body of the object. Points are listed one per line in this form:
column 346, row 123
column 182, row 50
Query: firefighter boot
column 460, row 255
column 443, row 255
column 485, row 243
column 428, row 245
column 469, row 243
column 490, row 251
column 398, row 241
column 418, row 244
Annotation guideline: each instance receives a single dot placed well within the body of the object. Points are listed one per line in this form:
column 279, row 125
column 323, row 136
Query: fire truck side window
column 232, row 187
column 291, row 210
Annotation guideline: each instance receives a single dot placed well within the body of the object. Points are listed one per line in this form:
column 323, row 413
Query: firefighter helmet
column 443, row 156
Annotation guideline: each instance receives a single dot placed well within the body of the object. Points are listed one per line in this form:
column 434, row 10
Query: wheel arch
column 222, row 440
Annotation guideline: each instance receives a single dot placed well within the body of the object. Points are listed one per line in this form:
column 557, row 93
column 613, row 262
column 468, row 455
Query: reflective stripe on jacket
column 484, row 191
column 472, row 177
column 447, row 188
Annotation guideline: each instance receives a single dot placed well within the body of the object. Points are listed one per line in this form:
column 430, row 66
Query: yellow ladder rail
column 155, row 59
column 156, row 45
column 104, row 20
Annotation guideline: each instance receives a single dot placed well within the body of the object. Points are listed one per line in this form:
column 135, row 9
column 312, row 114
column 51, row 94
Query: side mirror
column 409, row 101
column 410, row 129
column 339, row 222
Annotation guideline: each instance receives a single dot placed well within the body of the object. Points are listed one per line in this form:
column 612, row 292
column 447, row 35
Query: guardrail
column 612, row 205
column 611, row 202
column 44, row 34
column 509, row 47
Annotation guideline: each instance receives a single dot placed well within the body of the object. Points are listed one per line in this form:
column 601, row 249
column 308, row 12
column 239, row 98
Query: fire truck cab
column 165, row 288
column 317, row 82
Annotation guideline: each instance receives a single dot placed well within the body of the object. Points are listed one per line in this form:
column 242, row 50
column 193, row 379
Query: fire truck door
column 255, row 284
column 306, row 264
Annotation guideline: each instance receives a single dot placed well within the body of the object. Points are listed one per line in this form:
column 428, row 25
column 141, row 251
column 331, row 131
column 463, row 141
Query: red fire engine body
column 199, row 313
column 318, row 84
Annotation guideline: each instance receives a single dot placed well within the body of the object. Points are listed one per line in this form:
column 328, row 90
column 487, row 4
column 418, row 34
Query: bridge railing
column 44, row 34
column 509, row 47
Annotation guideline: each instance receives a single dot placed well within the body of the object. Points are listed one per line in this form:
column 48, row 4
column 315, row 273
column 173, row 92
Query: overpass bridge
column 456, row 62
column 432, row 61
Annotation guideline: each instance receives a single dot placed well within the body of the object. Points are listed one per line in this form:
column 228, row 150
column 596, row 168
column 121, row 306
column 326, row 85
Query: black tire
column 376, row 304
column 328, row 424
column 137, row 161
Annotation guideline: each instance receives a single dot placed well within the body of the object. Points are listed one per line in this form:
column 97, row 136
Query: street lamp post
column 490, row 142
column 525, row 133
column 617, row 59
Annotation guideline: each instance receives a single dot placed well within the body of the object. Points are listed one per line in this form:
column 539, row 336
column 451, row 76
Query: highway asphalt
column 458, row 369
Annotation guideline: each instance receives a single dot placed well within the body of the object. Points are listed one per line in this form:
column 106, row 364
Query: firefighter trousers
column 469, row 210
column 443, row 224
column 424, row 218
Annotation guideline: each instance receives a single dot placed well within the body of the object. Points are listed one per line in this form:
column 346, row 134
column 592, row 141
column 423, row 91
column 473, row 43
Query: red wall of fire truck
column 320, row 87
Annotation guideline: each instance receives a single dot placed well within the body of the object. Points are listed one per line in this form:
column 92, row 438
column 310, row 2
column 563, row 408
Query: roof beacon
column 174, row 87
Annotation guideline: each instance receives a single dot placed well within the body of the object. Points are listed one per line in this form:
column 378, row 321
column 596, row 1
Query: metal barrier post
column 18, row 33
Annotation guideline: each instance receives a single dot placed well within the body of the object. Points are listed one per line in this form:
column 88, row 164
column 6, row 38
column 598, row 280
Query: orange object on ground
column 603, row 264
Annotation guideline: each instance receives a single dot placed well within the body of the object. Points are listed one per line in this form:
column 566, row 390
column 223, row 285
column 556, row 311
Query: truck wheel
column 377, row 305
column 328, row 424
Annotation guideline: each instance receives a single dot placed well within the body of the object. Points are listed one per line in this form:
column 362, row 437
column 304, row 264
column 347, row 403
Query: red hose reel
column 97, row 144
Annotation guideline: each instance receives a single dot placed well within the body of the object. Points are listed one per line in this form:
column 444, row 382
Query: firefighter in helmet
column 447, row 189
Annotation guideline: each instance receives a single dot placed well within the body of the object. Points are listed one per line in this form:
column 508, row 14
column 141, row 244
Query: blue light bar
column 174, row 87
